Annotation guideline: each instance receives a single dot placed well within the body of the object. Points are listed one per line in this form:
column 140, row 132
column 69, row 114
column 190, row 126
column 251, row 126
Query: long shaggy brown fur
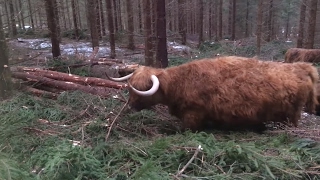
column 230, row 91
column 302, row 55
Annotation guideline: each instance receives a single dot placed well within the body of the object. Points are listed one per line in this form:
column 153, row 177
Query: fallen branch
column 111, row 125
column 101, row 91
column 74, row 78
column 40, row 93
column 189, row 162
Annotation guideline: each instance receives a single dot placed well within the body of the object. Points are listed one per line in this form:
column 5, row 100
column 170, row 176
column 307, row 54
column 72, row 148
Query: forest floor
column 84, row 136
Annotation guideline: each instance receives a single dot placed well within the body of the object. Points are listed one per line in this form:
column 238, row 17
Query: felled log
column 101, row 91
column 92, row 81
column 40, row 93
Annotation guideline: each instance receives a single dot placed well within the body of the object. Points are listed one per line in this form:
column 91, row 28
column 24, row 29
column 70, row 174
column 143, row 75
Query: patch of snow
column 178, row 46
column 305, row 114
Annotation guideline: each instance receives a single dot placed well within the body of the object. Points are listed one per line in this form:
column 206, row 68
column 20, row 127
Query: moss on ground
column 65, row 139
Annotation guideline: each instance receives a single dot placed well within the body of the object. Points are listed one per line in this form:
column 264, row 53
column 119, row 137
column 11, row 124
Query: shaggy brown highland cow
column 227, row 91
column 302, row 55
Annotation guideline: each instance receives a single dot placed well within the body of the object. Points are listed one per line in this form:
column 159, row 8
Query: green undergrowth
column 66, row 139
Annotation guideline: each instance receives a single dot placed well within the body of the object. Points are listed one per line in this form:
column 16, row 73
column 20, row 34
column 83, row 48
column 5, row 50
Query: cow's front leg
column 192, row 120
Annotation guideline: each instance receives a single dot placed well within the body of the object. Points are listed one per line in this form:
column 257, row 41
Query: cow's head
column 144, row 88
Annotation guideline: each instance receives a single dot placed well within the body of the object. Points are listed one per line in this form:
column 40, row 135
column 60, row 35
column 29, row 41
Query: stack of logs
column 50, row 83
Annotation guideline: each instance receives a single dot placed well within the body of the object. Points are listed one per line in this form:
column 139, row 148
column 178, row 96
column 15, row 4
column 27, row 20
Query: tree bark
column 210, row 29
column 312, row 24
column 14, row 31
column 130, row 25
column 63, row 7
column 30, row 14
column 17, row 10
column 103, row 27
column 52, row 26
column 247, row 19
column 21, row 14
column 91, row 81
column 230, row 17
column 57, row 18
column 200, row 23
column 162, row 53
column 68, row 14
column 97, row 10
column 269, row 22
column 140, row 16
column 75, row 22
column 7, row 16
column 93, row 23
column 102, row 91
column 182, row 21
column 259, row 25
column 301, row 23
column 148, row 53
column 233, row 27
column 287, row 31
column 111, row 29
column 220, row 19
column 5, row 80
column 40, row 93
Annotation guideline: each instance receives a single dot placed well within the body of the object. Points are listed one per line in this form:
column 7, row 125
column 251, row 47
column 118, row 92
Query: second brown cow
column 227, row 91
column 302, row 55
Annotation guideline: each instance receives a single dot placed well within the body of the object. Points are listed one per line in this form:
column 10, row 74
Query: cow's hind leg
column 295, row 116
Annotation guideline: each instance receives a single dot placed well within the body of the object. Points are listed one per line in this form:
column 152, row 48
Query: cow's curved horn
column 122, row 78
column 151, row 91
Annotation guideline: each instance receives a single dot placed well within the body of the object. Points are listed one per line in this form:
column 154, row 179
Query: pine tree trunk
column 115, row 15
column 63, row 7
column 148, row 33
column 57, row 18
column 247, row 19
column 269, row 22
column 39, row 23
column 7, row 16
column 5, row 77
column 210, row 29
column 93, row 23
column 287, row 30
column 220, row 19
column 182, row 21
column 75, row 22
column 140, row 16
column 233, row 27
column 200, row 23
column 14, row 31
column 312, row 24
column 21, row 14
column 79, row 14
column 17, row 10
column 230, row 17
column 51, row 21
column 103, row 27
column 301, row 23
column 162, row 53
column 30, row 14
column 216, row 20
column 259, row 25
column 68, row 14
column 130, row 25
column 97, row 10
column 111, row 29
